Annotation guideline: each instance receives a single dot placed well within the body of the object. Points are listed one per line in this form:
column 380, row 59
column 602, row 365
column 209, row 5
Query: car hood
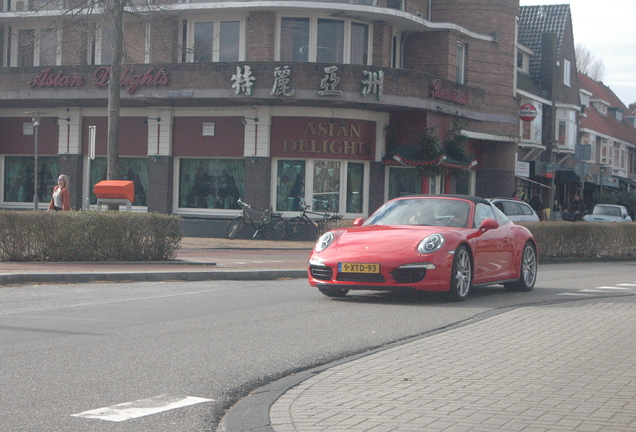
column 380, row 238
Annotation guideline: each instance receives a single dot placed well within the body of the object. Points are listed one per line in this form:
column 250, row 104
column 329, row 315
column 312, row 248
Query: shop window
column 290, row 185
column 531, row 131
column 26, row 47
column 215, row 41
column 132, row 169
column 330, row 47
column 331, row 185
column 355, row 187
column 294, row 45
column 101, row 52
column 211, row 183
column 404, row 181
column 48, row 49
column 566, row 128
column 324, row 40
column 326, row 194
column 18, row 178
column 359, row 43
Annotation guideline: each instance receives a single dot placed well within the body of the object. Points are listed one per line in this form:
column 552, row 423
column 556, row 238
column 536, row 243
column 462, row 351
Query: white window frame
column 567, row 73
column 608, row 146
column 590, row 139
column 309, row 185
column 15, row 31
column 313, row 36
column 217, row 20
column 536, row 126
column 567, row 115
column 461, row 63
column 397, row 50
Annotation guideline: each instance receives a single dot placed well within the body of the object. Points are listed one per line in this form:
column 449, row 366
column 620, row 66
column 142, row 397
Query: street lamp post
column 601, row 170
column 36, row 126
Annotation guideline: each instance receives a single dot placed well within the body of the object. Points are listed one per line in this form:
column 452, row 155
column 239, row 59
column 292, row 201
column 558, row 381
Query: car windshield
column 422, row 211
column 607, row 211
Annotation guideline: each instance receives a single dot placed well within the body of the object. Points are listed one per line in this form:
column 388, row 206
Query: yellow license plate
column 358, row 268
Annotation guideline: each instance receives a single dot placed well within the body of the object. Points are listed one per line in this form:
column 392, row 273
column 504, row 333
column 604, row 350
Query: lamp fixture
column 158, row 119
column 155, row 157
column 245, row 119
column 66, row 156
column 253, row 159
column 54, row 120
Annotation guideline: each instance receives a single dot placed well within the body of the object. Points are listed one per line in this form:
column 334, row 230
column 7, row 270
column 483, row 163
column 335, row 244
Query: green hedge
column 584, row 239
column 572, row 239
column 88, row 236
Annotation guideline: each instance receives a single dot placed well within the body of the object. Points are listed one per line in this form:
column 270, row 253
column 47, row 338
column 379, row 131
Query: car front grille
column 321, row 272
column 408, row 275
column 360, row 277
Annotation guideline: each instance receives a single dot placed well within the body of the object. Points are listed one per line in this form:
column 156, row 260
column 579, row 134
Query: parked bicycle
column 271, row 225
column 303, row 227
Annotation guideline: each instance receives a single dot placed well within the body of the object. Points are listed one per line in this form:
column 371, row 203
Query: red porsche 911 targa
column 444, row 243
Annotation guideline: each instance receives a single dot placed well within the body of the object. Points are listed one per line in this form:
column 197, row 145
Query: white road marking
column 613, row 287
column 597, row 290
column 141, row 408
column 629, row 285
column 574, row 294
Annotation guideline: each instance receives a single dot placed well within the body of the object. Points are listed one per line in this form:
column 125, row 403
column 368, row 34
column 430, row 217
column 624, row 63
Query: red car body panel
column 496, row 254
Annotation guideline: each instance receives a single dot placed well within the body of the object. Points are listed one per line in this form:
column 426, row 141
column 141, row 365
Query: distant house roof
column 537, row 20
column 605, row 124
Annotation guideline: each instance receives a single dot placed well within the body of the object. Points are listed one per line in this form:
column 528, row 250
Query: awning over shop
column 534, row 182
column 627, row 181
column 410, row 155
column 566, row 176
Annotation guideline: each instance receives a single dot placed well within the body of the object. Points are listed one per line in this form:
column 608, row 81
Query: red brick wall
column 382, row 38
column 261, row 36
column 165, row 39
column 188, row 139
column 13, row 140
column 133, row 136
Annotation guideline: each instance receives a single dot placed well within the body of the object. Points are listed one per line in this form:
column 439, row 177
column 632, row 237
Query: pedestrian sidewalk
column 562, row 367
column 197, row 259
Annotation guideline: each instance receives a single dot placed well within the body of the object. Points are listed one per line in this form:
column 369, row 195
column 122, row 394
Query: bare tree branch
column 589, row 64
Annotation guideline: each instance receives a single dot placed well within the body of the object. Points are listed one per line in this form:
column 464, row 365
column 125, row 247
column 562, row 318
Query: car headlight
column 323, row 242
column 431, row 244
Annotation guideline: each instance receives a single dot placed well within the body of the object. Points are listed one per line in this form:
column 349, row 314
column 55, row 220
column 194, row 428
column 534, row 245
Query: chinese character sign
column 329, row 82
column 373, row 83
column 281, row 79
column 243, row 81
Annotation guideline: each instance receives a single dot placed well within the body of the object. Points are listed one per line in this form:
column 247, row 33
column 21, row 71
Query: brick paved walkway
column 566, row 367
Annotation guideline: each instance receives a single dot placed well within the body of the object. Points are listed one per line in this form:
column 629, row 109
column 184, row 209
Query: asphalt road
column 69, row 349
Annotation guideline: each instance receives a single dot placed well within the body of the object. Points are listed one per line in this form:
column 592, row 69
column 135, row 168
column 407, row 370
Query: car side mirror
column 358, row 222
column 488, row 224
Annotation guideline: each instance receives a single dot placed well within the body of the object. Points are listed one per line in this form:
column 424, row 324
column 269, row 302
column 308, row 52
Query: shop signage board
column 527, row 112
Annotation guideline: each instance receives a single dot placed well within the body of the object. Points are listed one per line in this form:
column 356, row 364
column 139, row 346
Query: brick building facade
column 270, row 101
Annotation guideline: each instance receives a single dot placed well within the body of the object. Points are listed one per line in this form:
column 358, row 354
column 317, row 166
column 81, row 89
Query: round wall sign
column 527, row 112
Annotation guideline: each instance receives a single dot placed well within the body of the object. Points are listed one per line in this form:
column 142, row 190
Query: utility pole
column 36, row 126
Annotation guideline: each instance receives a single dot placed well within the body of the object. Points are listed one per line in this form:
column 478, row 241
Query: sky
column 607, row 29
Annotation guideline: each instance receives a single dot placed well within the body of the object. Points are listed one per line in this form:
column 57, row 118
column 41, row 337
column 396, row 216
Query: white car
column 517, row 211
column 608, row 213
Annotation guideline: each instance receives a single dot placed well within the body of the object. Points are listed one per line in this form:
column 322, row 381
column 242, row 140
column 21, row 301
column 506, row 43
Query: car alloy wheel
column 528, row 270
column 461, row 275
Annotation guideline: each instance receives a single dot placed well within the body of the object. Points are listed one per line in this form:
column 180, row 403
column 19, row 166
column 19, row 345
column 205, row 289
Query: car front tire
column 461, row 275
column 527, row 272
